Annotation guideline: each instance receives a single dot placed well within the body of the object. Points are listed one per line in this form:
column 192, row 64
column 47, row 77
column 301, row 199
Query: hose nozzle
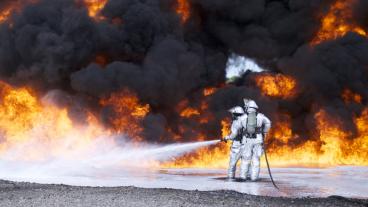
column 223, row 140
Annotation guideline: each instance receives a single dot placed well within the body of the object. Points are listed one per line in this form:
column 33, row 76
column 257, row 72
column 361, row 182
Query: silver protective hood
column 237, row 110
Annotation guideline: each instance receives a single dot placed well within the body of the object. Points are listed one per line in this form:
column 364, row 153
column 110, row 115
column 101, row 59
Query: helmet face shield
column 237, row 110
column 246, row 101
column 250, row 104
column 237, row 114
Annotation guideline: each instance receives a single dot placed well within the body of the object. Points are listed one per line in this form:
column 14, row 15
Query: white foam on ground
column 105, row 163
column 293, row 182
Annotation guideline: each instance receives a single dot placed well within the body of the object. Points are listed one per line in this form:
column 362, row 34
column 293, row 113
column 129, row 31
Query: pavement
column 348, row 181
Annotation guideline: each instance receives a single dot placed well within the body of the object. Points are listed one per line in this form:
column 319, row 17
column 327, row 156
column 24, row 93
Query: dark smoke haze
column 53, row 44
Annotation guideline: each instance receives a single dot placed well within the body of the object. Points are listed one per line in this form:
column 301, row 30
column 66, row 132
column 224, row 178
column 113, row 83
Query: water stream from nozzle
column 100, row 158
column 163, row 153
column 144, row 153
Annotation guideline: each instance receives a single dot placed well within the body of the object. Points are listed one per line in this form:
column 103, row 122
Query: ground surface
column 351, row 182
column 13, row 194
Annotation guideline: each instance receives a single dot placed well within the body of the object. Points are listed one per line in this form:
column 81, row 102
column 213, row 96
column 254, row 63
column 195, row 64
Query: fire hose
column 268, row 167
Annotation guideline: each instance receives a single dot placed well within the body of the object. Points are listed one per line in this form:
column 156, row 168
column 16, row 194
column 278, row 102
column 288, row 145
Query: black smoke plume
column 53, row 44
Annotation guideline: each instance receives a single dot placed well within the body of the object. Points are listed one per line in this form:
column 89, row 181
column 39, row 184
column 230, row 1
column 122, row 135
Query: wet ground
column 349, row 182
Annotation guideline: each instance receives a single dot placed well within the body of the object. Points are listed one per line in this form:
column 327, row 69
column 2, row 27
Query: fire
column 280, row 86
column 28, row 125
column 337, row 22
column 188, row 112
column 7, row 11
column 225, row 129
column 38, row 129
column 94, row 7
column 349, row 96
column 214, row 157
column 331, row 146
column 183, row 10
column 281, row 130
column 12, row 7
column 17, row 106
column 209, row 91
column 128, row 113
column 4, row 14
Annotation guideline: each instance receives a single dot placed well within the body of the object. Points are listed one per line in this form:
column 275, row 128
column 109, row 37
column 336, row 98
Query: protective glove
column 224, row 139
column 264, row 136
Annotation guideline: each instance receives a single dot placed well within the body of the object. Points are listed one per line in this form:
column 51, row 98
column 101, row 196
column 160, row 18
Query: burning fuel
column 337, row 22
column 94, row 8
column 73, row 72
column 276, row 85
column 183, row 10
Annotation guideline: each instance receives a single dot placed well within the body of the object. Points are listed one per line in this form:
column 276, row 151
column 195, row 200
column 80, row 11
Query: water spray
column 174, row 150
column 101, row 157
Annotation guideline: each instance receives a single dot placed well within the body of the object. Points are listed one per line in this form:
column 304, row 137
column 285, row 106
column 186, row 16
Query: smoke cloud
column 144, row 46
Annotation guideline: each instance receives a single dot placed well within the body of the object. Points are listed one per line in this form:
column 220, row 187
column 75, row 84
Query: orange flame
column 209, row 91
column 188, row 112
column 281, row 130
column 280, row 86
column 214, row 157
column 12, row 7
column 8, row 10
column 4, row 14
column 337, row 22
column 128, row 113
column 349, row 96
column 183, row 10
column 331, row 146
column 24, row 120
column 94, row 8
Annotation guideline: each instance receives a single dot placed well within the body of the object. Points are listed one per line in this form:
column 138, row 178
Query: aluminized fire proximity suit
column 235, row 150
column 255, row 126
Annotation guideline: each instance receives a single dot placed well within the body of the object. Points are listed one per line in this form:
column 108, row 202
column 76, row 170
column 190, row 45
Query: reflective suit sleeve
column 266, row 124
column 235, row 128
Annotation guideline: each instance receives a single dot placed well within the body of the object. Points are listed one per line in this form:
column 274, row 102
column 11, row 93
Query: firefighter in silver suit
column 235, row 150
column 254, row 126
